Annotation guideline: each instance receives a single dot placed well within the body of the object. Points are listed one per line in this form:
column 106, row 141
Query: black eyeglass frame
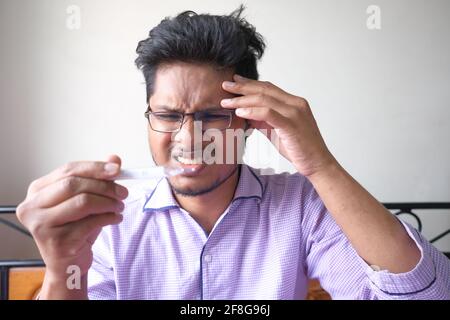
column 182, row 115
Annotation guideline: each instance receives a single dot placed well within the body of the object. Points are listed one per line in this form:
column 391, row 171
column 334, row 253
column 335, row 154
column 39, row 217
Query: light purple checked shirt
column 274, row 236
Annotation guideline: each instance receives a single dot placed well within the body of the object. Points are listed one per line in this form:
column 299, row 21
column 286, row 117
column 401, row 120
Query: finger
column 245, row 86
column 87, row 169
column 90, row 227
column 256, row 100
column 268, row 115
column 71, row 186
column 255, row 124
column 114, row 158
column 93, row 235
column 79, row 207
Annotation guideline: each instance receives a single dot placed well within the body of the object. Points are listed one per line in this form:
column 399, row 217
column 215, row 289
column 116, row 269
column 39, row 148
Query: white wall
column 381, row 97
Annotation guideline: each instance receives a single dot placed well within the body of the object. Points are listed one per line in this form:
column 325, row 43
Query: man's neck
column 207, row 208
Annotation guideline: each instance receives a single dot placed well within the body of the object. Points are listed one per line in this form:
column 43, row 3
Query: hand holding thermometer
column 151, row 173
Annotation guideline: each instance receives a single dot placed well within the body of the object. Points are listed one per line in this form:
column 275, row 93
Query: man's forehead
column 189, row 86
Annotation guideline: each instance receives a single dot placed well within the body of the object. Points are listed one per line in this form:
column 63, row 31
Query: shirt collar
column 249, row 187
column 161, row 197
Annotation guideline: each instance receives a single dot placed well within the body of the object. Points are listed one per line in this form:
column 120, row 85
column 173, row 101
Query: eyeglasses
column 172, row 121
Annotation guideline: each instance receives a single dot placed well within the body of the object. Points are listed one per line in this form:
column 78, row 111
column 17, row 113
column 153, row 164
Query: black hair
column 225, row 41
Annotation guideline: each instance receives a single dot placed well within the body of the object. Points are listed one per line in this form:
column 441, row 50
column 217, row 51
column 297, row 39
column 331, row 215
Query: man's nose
column 187, row 132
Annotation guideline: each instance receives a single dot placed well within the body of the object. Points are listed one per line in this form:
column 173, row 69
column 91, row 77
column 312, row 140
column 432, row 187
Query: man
column 223, row 230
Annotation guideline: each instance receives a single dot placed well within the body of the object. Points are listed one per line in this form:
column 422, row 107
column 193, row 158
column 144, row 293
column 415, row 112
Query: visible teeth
column 189, row 161
column 208, row 158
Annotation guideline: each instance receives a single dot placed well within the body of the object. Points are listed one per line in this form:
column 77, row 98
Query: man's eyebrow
column 166, row 108
column 211, row 107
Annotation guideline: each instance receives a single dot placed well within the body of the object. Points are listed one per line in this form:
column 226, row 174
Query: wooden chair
column 21, row 280
column 316, row 292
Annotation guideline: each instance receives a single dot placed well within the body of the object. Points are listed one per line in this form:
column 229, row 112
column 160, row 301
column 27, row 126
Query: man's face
column 186, row 87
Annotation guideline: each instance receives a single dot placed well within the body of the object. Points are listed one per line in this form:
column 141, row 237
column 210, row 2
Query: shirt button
column 208, row 258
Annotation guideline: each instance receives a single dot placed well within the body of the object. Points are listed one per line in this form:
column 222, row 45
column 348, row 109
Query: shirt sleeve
column 101, row 280
column 332, row 260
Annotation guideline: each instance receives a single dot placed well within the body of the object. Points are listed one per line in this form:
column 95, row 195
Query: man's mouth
column 194, row 160
column 194, row 157
column 189, row 161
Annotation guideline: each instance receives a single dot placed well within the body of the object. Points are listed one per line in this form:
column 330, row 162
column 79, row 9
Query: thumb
column 114, row 158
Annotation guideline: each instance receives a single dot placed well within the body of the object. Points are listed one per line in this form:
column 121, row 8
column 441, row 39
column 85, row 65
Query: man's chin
column 194, row 186
column 192, row 191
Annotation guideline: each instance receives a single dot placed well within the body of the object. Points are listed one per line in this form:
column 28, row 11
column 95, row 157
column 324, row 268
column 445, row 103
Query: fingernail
column 122, row 192
column 111, row 168
column 241, row 111
column 226, row 102
column 229, row 84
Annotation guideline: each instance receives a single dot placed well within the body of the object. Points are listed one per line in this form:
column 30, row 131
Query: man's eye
column 168, row 117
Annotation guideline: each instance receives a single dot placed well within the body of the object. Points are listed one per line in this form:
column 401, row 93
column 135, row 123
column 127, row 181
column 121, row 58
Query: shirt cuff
column 412, row 282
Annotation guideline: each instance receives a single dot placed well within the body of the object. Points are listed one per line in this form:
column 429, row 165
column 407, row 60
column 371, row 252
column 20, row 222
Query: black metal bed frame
column 407, row 208
column 400, row 208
